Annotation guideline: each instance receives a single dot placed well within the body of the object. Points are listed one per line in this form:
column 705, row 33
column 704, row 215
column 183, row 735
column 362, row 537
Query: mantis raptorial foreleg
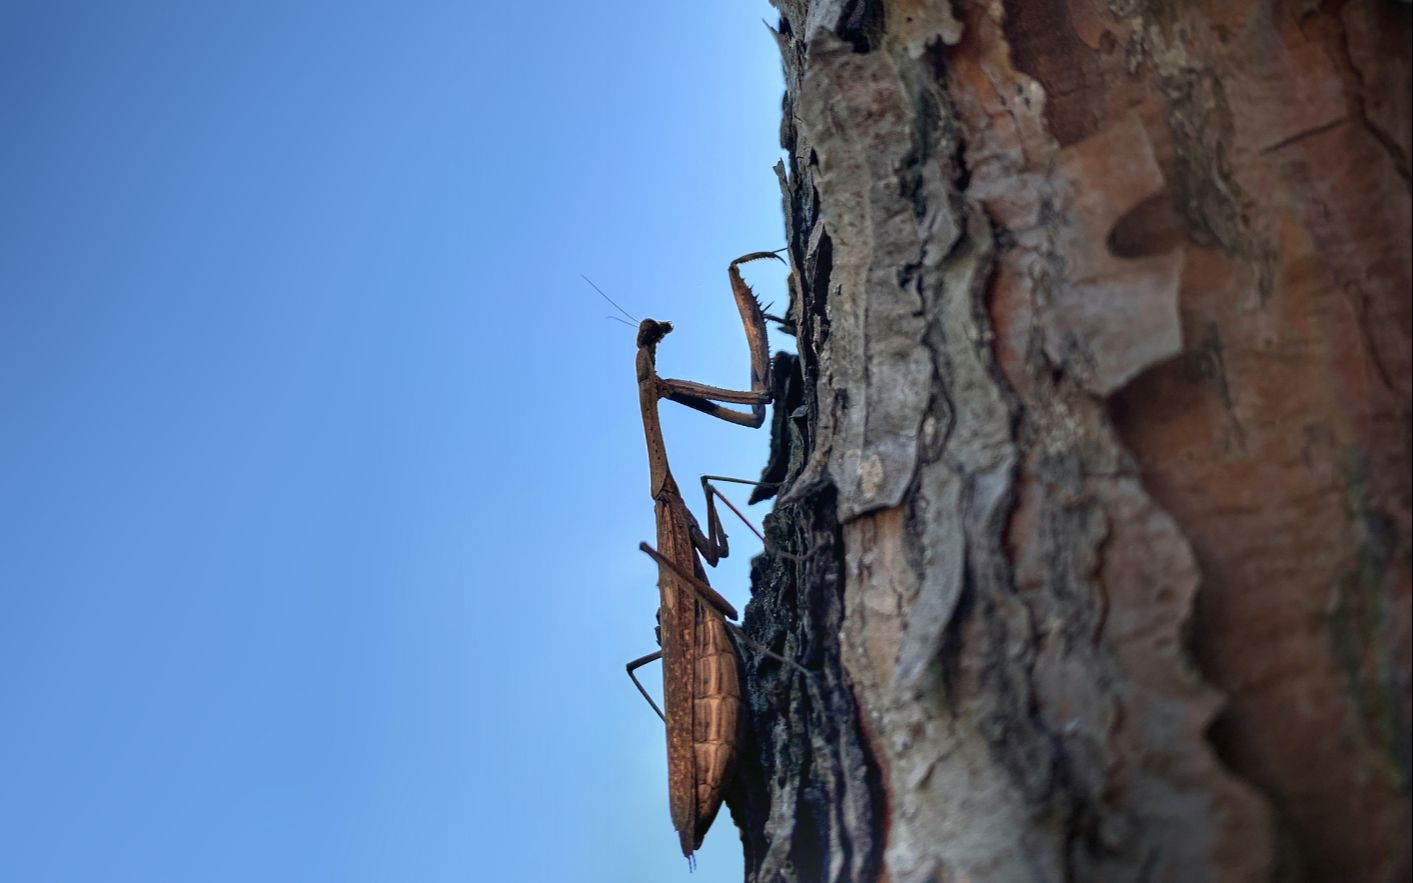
column 704, row 398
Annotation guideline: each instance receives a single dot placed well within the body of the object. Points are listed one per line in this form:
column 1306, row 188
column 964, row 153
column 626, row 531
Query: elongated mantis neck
column 660, row 475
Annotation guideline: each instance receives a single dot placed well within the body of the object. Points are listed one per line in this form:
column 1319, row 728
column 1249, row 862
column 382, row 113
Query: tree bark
column 1093, row 524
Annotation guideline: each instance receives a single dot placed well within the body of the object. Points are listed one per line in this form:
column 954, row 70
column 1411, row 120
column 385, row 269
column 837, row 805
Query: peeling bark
column 1094, row 511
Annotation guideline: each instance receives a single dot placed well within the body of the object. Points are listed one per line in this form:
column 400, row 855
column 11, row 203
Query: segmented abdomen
column 717, row 702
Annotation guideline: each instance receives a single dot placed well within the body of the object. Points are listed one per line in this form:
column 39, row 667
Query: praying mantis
column 700, row 679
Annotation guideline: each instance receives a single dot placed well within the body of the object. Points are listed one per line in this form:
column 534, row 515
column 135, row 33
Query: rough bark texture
column 1095, row 516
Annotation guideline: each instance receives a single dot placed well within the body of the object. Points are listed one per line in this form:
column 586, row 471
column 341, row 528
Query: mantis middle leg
column 713, row 545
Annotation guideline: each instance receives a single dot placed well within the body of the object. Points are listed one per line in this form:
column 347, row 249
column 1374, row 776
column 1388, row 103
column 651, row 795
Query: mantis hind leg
column 709, row 596
column 760, row 648
column 705, row 593
column 637, row 664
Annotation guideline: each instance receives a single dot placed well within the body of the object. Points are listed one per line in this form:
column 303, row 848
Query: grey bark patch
column 975, row 447
column 855, row 112
column 1111, row 317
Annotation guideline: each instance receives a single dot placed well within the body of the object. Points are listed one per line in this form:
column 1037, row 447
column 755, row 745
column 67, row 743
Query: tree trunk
column 1094, row 516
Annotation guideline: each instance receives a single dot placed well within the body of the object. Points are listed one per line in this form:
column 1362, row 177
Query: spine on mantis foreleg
column 753, row 319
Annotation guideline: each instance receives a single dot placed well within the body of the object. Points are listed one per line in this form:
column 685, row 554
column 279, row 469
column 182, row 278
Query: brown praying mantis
column 700, row 678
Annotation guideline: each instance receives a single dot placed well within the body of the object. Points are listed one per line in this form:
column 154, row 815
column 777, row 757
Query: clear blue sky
column 321, row 474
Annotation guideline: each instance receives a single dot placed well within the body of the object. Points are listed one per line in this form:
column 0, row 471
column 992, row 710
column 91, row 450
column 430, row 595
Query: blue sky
column 321, row 474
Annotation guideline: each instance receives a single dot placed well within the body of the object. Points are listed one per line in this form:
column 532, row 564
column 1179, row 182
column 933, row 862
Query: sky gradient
column 321, row 473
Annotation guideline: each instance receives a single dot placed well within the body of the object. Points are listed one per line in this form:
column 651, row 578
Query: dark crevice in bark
column 785, row 416
column 1338, row 48
column 808, row 799
column 805, row 767
column 861, row 24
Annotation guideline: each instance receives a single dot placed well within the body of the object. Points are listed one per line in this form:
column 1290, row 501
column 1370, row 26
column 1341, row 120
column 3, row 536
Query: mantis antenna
column 607, row 298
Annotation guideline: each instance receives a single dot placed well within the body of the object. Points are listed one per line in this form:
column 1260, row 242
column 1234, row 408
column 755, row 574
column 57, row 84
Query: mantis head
column 651, row 331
